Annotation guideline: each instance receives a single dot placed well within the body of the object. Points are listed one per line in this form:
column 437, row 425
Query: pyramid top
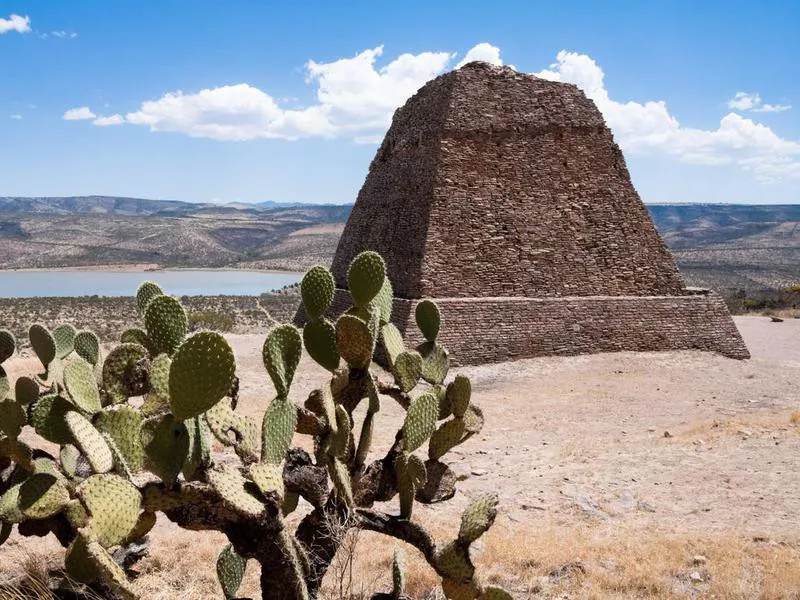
column 492, row 182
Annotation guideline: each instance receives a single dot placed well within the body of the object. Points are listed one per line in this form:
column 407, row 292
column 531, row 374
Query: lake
column 31, row 284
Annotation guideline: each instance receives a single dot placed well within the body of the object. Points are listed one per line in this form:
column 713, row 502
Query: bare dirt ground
column 622, row 475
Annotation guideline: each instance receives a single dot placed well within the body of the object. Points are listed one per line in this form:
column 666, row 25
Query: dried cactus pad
column 317, row 291
column 87, row 346
column 230, row 571
column 420, row 421
column 428, row 319
column 146, row 292
column 201, row 374
column 355, row 341
column 365, row 277
column 42, row 343
column 113, row 505
column 166, row 323
column 281, row 355
column 64, row 336
column 8, row 345
column 80, row 381
column 477, row 518
column 90, row 442
column 117, row 363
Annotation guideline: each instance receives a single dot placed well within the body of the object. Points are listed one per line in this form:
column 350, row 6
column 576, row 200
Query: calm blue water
column 30, row 284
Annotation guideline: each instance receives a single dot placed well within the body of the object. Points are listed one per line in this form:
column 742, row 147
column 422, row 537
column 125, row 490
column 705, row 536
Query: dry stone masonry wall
column 504, row 197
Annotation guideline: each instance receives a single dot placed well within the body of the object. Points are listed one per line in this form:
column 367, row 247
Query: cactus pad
column 199, row 447
column 146, row 292
column 87, row 346
column 166, row 446
column 398, row 574
column 138, row 336
column 341, row 480
column 365, row 277
column 407, row 370
column 64, row 337
column 340, row 441
column 122, row 424
column 319, row 338
column 48, row 417
column 90, row 442
column 317, row 291
column 277, row 430
column 268, row 477
column 110, row 572
column 12, row 417
column 26, row 390
column 119, row 362
column 144, row 524
column 42, row 495
column 435, row 362
column 201, row 374
column 477, row 518
column 420, row 421
column 281, row 355
column 405, row 485
column 8, row 345
column 166, row 323
column 236, row 491
column 493, row 592
column 458, row 395
column 42, row 343
column 428, row 319
column 454, row 562
column 77, row 561
column 230, row 571
column 321, row 403
column 384, row 300
column 113, row 505
column 81, row 384
column 355, row 341
column 9, row 505
column 449, row 435
column 222, row 420
column 392, row 341
column 68, row 459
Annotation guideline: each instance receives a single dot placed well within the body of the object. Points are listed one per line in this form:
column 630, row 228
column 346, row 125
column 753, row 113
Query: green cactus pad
column 166, row 323
column 42, row 343
column 8, row 345
column 317, row 290
column 417, row 471
column 405, row 485
column 420, row 421
column 122, row 424
column 223, row 420
column 341, row 480
column 493, row 592
column 230, row 571
column 19, row 452
column 365, row 277
column 407, row 370
column 398, row 574
column 319, row 338
column 144, row 525
column 159, row 376
column 277, row 430
column 365, row 439
column 453, row 560
column 460, row 590
column 320, row 402
column 48, row 417
column 87, row 346
column 68, row 459
column 428, row 319
column 81, row 384
column 113, row 505
column 77, row 561
column 281, row 355
column 90, row 442
column 12, row 417
column 166, row 446
column 355, row 341
column 138, row 336
column 449, row 435
column 473, row 419
column 435, row 362
column 268, row 477
column 109, row 571
column 9, row 505
column 290, row 502
column 237, row 492
column 64, row 336
column 384, row 300
column 372, row 395
column 26, row 390
column 458, row 394
column 340, row 441
column 146, row 292
column 201, row 374
column 156, row 498
column 477, row 518
column 199, row 447
column 42, row 495
column 76, row 514
column 121, row 360
column 392, row 341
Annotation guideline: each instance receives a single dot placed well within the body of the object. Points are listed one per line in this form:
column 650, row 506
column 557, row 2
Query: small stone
column 667, row 434
column 699, row 559
column 696, row 577
column 479, row 472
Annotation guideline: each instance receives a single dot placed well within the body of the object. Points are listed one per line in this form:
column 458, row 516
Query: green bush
column 208, row 319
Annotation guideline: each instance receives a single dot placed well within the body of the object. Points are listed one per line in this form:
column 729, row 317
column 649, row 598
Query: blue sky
column 251, row 101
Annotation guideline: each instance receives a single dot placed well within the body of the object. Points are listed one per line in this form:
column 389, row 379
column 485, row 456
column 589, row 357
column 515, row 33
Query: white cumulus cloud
column 483, row 51
column 111, row 120
column 649, row 127
column 15, row 23
column 83, row 113
column 744, row 101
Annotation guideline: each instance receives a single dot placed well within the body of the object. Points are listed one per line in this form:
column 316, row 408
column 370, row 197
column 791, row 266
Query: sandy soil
column 684, row 443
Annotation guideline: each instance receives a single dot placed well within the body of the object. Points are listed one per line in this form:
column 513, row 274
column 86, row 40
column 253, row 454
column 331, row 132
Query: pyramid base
column 486, row 330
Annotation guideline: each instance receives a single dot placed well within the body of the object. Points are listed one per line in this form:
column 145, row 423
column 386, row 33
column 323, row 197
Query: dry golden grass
column 786, row 422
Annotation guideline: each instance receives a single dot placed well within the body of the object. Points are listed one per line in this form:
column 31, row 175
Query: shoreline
column 143, row 268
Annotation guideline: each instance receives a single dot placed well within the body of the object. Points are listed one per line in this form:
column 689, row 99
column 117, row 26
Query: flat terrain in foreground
column 626, row 475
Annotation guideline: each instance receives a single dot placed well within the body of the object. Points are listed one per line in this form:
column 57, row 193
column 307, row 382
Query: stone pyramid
column 504, row 197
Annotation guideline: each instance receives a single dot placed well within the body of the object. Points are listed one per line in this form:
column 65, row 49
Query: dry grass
column 785, row 422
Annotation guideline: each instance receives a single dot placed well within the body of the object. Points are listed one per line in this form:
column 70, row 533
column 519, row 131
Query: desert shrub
column 209, row 319
column 120, row 463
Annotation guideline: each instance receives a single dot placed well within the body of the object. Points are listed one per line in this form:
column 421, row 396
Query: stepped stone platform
column 503, row 197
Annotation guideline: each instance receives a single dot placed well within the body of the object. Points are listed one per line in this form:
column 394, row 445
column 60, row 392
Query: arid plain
column 621, row 475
